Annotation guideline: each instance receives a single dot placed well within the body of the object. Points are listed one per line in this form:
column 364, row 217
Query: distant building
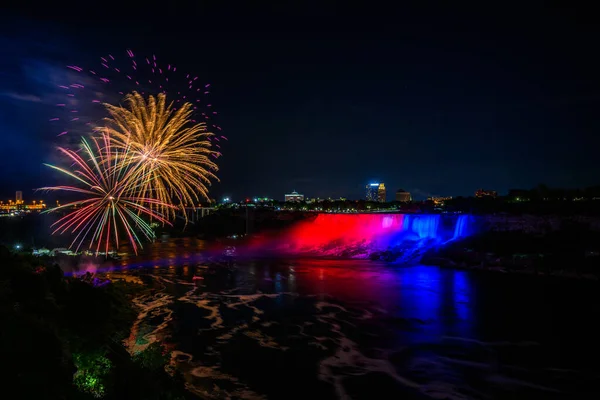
column 19, row 206
column 294, row 196
column 19, row 196
column 381, row 197
column 372, row 192
column 403, row 196
column 479, row 193
column 439, row 201
column 375, row 192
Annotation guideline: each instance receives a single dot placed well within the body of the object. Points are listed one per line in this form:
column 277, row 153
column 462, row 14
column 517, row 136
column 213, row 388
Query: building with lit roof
column 294, row 196
column 381, row 194
column 371, row 191
column 375, row 192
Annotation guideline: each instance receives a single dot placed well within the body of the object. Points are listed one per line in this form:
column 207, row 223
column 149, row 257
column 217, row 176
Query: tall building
column 372, row 192
column 403, row 196
column 375, row 192
column 381, row 193
column 294, row 196
column 19, row 196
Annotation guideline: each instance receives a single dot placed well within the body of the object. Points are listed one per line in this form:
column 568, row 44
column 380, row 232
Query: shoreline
column 562, row 274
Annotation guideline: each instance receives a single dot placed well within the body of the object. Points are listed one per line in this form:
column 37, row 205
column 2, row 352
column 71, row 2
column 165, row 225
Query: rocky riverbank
column 508, row 266
column 563, row 253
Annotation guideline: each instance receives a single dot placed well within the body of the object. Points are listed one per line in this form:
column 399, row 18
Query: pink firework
column 116, row 75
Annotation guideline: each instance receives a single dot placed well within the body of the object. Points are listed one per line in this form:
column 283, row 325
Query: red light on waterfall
column 359, row 235
column 342, row 229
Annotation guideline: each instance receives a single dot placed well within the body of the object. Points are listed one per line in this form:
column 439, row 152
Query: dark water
column 356, row 329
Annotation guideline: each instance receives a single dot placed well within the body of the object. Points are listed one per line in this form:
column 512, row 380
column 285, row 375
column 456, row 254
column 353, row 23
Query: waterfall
column 425, row 226
column 357, row 235
column 461, row 228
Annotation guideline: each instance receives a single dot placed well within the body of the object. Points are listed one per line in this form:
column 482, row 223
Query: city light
column 19, row 207
column 376, row 192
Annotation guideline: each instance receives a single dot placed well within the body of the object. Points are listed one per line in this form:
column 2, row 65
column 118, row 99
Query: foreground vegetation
column 61, row 338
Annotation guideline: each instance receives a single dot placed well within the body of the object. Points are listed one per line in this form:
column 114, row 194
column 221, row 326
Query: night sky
column 323, row 100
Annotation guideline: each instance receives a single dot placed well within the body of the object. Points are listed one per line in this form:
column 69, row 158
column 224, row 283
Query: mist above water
column 360, row 235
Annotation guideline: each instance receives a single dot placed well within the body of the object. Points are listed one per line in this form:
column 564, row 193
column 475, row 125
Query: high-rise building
column 403, row 196
column 19, row 196
column 294, row 196
column 375, row 192
column 381, row 193
column 372, row 192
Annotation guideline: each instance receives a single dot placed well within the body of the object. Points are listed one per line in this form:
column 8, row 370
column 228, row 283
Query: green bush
column 61, row 338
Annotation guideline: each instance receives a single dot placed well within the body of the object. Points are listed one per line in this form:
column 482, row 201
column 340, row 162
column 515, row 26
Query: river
column 301, row 328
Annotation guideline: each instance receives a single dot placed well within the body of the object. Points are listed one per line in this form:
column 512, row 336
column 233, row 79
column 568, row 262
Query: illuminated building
column 485, row 193
column 294, row 196
column 403, row 196
column 19, row 196
column 381, row 193
column 439, row 201
column 375, row 192
column 372, row 192
column 20, row 206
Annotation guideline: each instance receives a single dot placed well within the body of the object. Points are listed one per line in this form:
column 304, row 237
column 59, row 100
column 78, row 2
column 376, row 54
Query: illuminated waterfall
column 358, row 235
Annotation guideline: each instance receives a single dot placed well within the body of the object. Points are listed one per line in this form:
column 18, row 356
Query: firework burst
column 82, row 91
column 170, row 152
column 111, row 203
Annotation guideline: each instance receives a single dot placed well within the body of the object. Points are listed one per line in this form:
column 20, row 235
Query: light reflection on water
column 451, row 301
column 415, row 306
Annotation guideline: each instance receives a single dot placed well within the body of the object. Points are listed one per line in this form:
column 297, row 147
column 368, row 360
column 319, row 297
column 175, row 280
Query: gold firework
column 110, row 204
column 171, row 151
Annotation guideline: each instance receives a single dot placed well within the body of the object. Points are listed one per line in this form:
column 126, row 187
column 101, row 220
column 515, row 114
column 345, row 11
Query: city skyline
column 441, row 114
column 400, row 195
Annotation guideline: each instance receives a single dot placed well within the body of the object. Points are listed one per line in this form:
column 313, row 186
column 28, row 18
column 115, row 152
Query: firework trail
column 113, row 77
column 111, row 204
column 171, row 153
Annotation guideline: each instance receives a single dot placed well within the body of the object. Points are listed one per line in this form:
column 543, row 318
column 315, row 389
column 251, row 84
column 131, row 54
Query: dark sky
column 436, row 100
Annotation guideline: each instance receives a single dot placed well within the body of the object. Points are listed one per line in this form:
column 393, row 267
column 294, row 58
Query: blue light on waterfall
column 360, row 234
column 406, row 223
column 426, row 226
column 462, row 227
